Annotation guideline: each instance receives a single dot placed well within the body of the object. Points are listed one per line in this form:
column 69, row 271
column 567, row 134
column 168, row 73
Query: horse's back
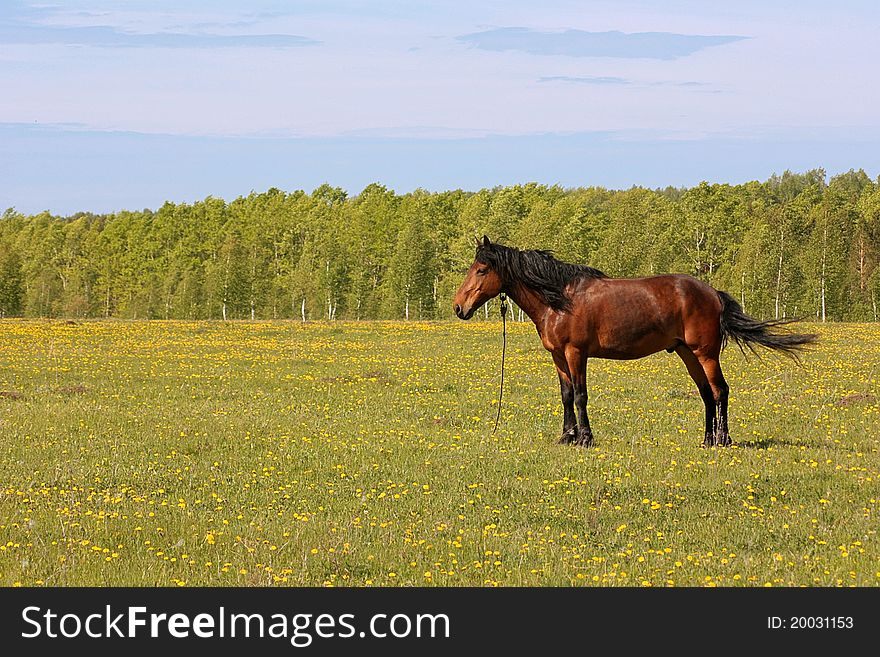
column 633, row 317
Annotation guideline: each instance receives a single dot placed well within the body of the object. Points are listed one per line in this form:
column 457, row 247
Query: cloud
column 109, row 37
column 607, row 80
column 25, row 24
column 585, row 79
column 579, row 43
column 417, row 132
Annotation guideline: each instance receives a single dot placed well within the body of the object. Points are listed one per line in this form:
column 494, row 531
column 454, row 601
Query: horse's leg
column 720, row 393
column 577, row 367
column 699, row 376
column 569, row 422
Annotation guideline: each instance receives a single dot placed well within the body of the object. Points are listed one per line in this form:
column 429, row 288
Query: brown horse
column 581, row 313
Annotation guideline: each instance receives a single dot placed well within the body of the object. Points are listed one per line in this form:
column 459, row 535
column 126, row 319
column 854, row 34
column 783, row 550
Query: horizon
column 354, row 194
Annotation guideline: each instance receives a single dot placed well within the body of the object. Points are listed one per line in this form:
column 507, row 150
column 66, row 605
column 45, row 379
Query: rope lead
column 503, row 352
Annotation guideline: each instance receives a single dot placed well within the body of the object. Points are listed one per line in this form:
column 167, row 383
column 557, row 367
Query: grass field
column 196, row 453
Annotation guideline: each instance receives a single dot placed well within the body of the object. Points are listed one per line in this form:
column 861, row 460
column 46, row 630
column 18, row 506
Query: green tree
column 790, row 245
column 11, row 282
column 409, row 284
column 867, row 248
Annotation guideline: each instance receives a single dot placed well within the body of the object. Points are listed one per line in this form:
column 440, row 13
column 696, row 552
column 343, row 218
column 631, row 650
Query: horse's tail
column 747, row 331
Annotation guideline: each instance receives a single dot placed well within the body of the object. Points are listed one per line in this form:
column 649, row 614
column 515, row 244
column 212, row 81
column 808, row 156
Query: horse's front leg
column 566, row 389
column 569, row 422
column 577, row 366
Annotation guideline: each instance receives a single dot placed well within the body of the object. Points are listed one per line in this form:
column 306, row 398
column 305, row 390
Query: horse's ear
column 486, row 241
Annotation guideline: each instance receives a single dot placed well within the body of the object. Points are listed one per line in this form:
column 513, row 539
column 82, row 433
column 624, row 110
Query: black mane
column 535, row 269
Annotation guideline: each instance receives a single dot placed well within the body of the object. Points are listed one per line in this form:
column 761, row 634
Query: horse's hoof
column 709, row 441
column 585, row 438
column 725, row 440
column 568, row 437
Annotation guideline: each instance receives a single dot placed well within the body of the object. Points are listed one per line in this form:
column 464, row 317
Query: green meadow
column 180, row 453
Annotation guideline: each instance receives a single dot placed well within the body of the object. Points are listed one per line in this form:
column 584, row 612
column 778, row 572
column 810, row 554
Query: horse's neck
column 531, row 303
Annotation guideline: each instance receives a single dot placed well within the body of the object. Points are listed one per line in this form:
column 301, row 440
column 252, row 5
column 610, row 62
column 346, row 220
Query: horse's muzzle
column 461, row 314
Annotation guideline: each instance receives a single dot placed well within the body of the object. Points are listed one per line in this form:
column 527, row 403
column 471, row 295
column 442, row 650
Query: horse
column 581, row 313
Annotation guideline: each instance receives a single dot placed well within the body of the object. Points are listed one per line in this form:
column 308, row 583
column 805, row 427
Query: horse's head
column 480, row 284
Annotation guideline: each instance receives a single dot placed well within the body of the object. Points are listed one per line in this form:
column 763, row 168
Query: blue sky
column 111, row 105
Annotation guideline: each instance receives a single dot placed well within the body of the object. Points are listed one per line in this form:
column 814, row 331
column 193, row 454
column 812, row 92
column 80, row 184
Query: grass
column 197, row 453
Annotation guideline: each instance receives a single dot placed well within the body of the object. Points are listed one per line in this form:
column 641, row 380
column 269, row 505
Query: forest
column 795, row 245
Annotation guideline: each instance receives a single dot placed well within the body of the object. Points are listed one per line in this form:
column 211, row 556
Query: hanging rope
column 503, row 352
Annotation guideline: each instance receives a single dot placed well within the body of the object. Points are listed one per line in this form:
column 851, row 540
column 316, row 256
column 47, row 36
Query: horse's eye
column 482, row 272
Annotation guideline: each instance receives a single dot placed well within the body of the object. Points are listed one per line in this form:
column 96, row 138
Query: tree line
column 796, row 244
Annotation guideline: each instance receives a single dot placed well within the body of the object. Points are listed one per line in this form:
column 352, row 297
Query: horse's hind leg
column 720, row 393
column 695, row 369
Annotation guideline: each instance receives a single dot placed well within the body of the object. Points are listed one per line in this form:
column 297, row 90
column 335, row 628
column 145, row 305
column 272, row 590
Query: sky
column 124, row 105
